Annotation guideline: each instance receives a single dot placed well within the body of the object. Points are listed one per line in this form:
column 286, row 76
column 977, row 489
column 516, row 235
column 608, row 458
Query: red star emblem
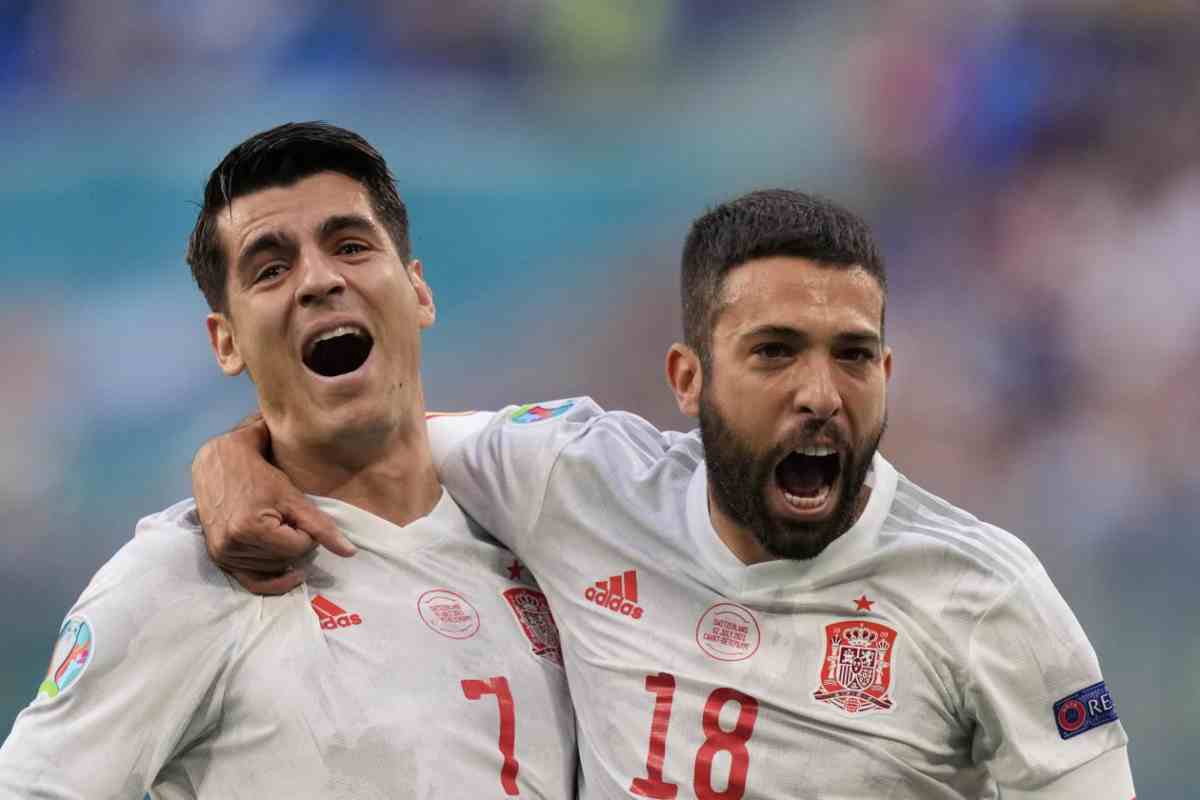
column 862, row 603
column 514, row 570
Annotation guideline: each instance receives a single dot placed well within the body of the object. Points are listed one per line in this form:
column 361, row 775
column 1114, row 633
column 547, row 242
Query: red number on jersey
column 475, row 689
column 716, row 739
column 653, row 785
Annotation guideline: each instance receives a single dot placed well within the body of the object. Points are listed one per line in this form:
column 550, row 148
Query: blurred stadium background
column 1031, row 166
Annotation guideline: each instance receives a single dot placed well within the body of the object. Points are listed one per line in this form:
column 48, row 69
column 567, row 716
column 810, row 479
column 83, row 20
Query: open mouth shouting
column 342, row 349
column 807, row 481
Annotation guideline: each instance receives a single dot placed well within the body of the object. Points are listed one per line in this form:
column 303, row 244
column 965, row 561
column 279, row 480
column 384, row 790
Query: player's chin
column 801, row 530
column 801, row 541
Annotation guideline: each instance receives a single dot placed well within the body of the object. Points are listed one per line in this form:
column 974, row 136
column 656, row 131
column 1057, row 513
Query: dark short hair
column 770, row 222
column 281, row 157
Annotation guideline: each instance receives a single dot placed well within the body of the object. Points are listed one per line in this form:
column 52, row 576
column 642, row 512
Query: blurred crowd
column 1031, row 167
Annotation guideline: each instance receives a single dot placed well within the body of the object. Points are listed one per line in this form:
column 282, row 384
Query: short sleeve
column 1045, row 722
column 136, row 673
column 499, row 473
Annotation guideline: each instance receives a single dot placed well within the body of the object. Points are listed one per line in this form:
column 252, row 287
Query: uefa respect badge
column 72, row 653
column 1086, row 709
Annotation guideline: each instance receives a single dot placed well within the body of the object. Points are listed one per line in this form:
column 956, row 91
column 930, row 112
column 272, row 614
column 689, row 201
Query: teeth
column 816, row 450
column 340, row 330
column 808, row 503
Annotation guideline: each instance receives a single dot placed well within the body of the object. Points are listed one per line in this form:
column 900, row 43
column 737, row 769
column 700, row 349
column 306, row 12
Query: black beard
column 740, row 479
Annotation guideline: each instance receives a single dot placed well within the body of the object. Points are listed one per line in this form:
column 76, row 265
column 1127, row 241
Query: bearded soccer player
column 421, row 668
column 767, row 608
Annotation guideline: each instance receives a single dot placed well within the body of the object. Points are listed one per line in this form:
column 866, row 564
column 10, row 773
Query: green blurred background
column 1031, row 167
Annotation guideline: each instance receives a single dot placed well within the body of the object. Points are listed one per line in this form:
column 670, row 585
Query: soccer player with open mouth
column 766, row 607
column 428, row 666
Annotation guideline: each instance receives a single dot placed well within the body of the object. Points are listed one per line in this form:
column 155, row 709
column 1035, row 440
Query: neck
column 740, row 540
column 389, row 473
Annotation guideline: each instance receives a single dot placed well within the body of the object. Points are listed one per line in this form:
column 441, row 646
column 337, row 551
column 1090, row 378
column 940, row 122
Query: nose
column 320, row 280
column 816, row 391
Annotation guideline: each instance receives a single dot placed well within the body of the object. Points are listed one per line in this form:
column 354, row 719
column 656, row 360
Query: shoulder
column 167, row 553
column 157, row 601
column 584, row 430
column 923, row 520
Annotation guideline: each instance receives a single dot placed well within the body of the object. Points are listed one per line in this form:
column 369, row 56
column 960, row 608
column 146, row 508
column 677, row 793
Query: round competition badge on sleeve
column 72, row 653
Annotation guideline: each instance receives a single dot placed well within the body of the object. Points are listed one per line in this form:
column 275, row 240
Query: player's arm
column 498, row 469
column 1047, row 726
column 134, row 678
column 256, row 522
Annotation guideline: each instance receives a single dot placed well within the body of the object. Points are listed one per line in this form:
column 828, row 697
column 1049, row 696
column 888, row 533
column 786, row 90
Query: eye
column 270, row 272
column 350, row 248
column 772, row 351
column 857, row 354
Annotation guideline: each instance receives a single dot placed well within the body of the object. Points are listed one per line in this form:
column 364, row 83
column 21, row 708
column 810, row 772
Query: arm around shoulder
column 497, row 466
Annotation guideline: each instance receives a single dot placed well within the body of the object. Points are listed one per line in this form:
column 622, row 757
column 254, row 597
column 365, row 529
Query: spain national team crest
column 72, row 653
column 532, row 611
column 856, row 673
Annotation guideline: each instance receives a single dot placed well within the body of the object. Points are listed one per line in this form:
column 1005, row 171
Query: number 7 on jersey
column 498, row 686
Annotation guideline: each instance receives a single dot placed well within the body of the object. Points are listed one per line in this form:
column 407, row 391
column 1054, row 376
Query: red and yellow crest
column 856, row 673
column 532, row 611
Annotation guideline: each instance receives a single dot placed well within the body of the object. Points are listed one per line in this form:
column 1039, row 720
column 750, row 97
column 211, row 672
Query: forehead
column 296, row 209
column 794, row 292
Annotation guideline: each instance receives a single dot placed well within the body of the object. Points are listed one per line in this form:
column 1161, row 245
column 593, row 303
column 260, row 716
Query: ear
column 224, row 344
column 686, row 377
column 887, row 364
column 426, row 310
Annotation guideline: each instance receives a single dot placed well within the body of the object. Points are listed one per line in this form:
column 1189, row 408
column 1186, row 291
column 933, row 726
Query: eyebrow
column 341, row 222
column 271, row 240
column 861, row 336
column 276, row 240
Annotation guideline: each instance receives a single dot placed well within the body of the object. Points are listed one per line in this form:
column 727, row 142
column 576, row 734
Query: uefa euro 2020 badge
column 72, row 653
column 536, row 412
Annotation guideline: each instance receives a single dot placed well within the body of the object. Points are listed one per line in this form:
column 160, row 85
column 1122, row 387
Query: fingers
column 258, row 542
column 270, row 533
column 310, row 522
column 266, row 583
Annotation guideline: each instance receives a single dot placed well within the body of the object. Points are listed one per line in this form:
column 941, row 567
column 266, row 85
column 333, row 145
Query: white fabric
column 198, row 689
column 962, row 706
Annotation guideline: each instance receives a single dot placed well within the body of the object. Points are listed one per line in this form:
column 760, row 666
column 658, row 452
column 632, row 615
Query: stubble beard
column 740, row 479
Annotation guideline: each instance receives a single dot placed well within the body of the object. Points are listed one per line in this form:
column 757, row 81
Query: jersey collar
column 371, row 532
column 769, row 576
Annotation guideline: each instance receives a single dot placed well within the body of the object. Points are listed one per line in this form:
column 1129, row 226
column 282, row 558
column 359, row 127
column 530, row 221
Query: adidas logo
column 332, row 615
column 618, row 594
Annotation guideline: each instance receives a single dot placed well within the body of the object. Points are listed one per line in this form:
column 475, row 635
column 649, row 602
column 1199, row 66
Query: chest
column 414, row 679
column 681, row 682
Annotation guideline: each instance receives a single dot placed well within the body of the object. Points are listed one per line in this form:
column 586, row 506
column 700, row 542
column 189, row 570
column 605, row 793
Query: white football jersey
column 427, row 666
column 924, row 654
